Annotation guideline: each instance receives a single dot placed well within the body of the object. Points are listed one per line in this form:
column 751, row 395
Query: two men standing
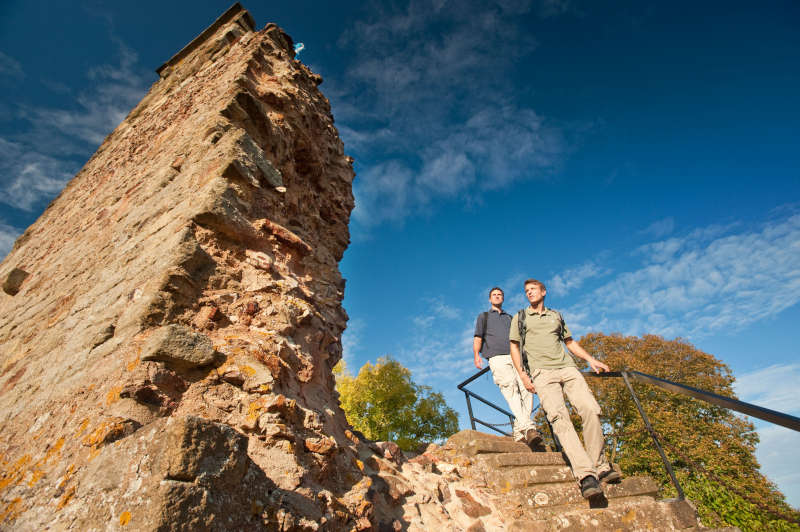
column 491, row 341
column 539, row 334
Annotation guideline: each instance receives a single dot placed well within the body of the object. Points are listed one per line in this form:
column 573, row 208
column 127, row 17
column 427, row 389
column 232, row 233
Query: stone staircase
column 536, row 490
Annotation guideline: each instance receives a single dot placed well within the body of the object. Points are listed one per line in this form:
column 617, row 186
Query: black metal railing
column 468, row 394
column 765, row 414
column 627, row 376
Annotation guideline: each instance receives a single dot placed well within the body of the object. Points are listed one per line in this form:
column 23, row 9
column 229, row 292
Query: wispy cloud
column 29, row 176
column 51, row 143
column 775, row 387
column 8, row 235
column 351, row 341
column 10, row 67
column 435, row 119
column 114, row 91
column 705, row 281
column 563, row 283
column 436, row 310
column 659, row 228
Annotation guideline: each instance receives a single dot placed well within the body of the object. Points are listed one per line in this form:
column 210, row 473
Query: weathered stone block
column 204, row 452
column 180, row 347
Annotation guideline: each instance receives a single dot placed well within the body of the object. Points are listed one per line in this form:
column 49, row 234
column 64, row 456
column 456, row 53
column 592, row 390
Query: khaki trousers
column 519, row 400
column 551, row 385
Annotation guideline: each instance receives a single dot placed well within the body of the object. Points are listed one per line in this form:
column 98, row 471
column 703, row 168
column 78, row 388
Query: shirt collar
column 529, row 311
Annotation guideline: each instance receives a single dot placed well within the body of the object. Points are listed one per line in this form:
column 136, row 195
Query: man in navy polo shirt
column 491, row 341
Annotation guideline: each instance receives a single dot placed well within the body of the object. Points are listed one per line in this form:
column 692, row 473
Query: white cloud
column 659, row 228
column 694, row 285
column 29, row 177
column 8, row 235
column 775, row 387
column 351, row 341
column 114, row 91
column 563, row 283
column 432, row 101
column 36, row 163
column 10, row 67
column 437, row 310
column 775, row 453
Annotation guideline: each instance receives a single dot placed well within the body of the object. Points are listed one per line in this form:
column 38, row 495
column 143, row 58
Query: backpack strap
column 483, row 318
column 521, row 327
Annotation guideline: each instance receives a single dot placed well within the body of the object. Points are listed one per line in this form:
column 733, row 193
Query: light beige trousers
column 519, row 400
column 551, row 385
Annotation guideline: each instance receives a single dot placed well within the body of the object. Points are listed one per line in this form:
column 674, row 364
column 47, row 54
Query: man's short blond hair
column 537, row 283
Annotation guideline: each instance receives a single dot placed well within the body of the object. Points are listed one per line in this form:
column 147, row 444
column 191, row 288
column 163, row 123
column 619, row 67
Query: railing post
column 667, row 465
column 469, row 407
column 553, row 434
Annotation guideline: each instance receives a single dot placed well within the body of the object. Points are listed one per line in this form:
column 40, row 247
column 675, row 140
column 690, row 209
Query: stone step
column 525, row 458
column 506, row 445
column 508, row 478
column 565, row 493
column 630, row 516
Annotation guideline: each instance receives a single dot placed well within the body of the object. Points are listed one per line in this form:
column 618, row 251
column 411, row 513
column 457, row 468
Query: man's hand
column 597, row 366
column 478, row 361
column 528, row 383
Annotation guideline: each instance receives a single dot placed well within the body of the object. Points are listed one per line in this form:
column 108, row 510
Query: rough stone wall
column 166, row 361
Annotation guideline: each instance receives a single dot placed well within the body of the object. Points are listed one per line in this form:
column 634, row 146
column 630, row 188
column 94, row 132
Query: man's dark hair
column 534, row 281
column 497, row 288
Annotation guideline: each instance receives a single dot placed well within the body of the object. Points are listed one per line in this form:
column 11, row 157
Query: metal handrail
column 473, row 419
column 468, row 394
column 765, row 414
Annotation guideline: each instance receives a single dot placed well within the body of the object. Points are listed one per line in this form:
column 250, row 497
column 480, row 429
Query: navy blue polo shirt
column 495, row 338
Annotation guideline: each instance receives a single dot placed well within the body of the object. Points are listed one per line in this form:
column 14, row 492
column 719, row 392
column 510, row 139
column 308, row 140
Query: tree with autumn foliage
column 695, row 433
column 386, row 405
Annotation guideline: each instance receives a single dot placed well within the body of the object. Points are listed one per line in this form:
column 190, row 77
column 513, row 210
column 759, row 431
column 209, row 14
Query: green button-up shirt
column 544, row 334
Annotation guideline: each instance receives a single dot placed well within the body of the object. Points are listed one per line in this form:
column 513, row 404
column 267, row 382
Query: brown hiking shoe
column 532, row 437
column 612, row 476
column 589, row 487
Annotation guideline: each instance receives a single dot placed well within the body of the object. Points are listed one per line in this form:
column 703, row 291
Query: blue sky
column 640, row 158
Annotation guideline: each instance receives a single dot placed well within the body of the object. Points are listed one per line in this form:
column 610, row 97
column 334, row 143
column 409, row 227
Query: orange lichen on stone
column 247, row 370
column 11, row 511
column 131, row 366
column 67, row 475
column 36, row 476
column 96, row 437
column 52, row 451
column 113, row 395
column 68, row 494
column 15, row 473
column 124, row 518
column 254, row 410
column 82, row 427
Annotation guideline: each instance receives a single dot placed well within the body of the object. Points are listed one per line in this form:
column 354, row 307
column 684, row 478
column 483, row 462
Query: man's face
column 534, row 293
column 496, row 298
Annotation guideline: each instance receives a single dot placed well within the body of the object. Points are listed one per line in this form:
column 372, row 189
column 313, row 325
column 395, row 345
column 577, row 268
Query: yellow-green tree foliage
column 384, row 404
column 717, row 439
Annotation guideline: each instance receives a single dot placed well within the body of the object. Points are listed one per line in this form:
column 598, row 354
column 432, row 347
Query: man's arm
column 576, row 349
column 516, row 359
column 477, row 342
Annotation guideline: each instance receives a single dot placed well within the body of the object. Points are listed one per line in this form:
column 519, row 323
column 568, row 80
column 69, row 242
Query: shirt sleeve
column 478, row 328
column 565, row 333
column 513, row 333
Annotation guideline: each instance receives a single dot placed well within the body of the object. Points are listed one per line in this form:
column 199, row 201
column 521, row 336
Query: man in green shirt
column 554, row 373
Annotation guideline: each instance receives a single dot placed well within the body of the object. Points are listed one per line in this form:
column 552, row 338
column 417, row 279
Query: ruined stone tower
column 169, row 323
